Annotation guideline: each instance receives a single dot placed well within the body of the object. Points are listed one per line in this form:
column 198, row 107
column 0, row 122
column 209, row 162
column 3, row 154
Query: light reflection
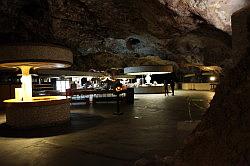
column 36, row 99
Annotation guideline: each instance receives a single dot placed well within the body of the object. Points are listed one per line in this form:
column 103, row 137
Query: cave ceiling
column 185, row 32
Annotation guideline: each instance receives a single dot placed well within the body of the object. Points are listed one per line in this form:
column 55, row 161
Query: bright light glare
column 61, row 86
column 26, row 80
column 27, row 87
column 212, row 78
column 18, row 94
column 146, row 73
column 148, row 79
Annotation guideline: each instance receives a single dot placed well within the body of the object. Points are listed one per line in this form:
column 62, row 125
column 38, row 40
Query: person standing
column 166, row 87
column 172, row 84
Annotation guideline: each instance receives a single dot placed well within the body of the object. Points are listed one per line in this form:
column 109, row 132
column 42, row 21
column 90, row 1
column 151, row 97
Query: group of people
column 172, row 84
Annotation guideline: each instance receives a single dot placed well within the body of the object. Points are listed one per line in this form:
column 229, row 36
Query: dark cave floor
column 154, row 125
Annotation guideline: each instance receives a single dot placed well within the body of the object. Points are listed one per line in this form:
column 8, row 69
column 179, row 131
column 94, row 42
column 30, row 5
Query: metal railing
column 191, row 102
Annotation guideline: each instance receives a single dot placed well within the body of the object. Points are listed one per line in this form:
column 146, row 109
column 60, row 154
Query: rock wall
column 129, row 27
column 222, row 138
column 216, row 12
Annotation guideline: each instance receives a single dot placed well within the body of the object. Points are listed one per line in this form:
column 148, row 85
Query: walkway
column 154, row 125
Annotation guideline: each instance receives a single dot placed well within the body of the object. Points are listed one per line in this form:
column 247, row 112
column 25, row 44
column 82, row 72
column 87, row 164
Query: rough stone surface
column 199, row 48
column 105, row 60
column 216, row 12
column 37, row 116
column 118, row 27
column 241, row 32
column 222, row 138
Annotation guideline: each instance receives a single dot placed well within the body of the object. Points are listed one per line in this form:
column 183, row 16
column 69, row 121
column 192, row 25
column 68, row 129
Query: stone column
column 241, row 32
column 222, row 137
column 26, row 83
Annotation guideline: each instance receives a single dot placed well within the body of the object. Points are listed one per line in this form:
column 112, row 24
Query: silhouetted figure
column 172, row 84
column 166, row 87
column 108, row 84
column 116, row 84
column 73, row 85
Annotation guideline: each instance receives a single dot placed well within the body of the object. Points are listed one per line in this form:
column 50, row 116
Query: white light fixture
column 212, row 78
column 148, row 79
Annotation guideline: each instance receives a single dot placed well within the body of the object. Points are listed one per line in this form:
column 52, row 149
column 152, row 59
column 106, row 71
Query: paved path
column 154, row 125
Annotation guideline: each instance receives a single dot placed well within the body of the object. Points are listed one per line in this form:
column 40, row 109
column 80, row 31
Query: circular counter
column 43, row 56
column 144, row 70
column 149, row 90
column 40, row 112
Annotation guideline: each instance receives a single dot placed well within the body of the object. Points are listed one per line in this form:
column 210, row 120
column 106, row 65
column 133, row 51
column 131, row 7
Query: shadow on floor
column 78, row 122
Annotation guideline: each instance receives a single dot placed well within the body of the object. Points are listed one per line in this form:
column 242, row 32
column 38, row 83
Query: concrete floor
column 154, row 125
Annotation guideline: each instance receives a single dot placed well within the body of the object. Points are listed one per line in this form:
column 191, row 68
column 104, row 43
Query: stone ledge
column 37, row 116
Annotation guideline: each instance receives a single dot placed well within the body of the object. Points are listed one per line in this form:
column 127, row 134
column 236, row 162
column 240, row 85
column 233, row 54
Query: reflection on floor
column 154, row 125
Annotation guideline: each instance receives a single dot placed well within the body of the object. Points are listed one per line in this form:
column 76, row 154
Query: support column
column 26, row 83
